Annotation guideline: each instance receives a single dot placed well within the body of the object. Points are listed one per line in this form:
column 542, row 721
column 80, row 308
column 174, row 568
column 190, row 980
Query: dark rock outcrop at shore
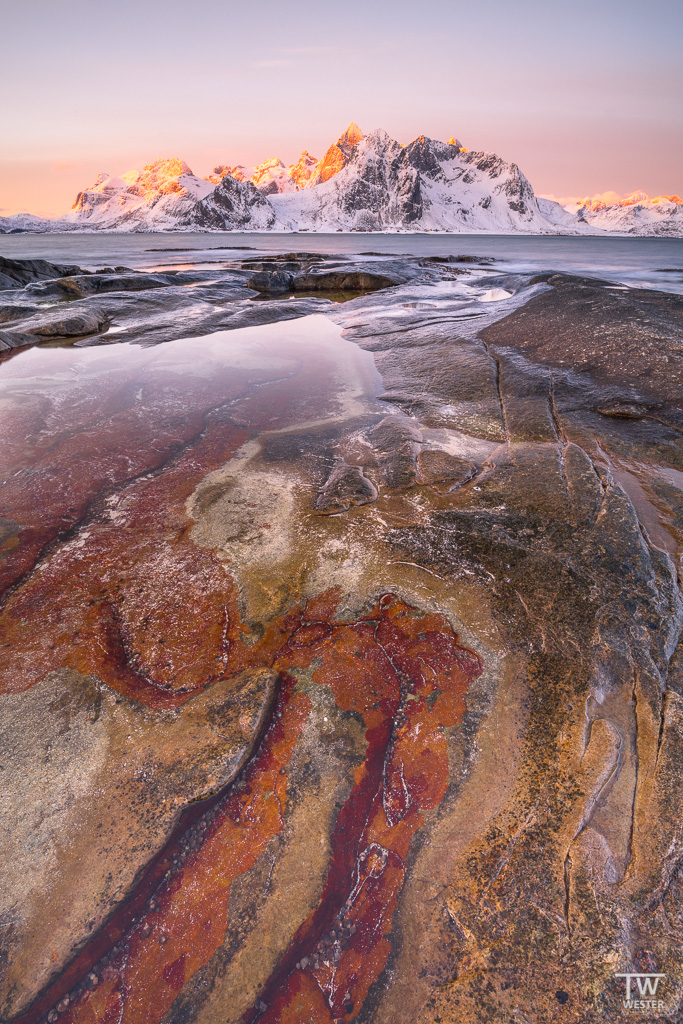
column 280, row 280
column 17, row 273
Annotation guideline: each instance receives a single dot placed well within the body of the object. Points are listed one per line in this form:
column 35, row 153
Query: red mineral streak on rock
column 105, row 579
column 400, row 781
column 103, row 576
column 57, row 462
column 137, row 604
column 405, row 673
column 192, row 905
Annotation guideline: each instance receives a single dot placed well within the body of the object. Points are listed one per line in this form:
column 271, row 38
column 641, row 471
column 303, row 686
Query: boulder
column 17, row 273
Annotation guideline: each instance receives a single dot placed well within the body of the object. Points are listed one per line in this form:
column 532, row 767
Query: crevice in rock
column 567, row 892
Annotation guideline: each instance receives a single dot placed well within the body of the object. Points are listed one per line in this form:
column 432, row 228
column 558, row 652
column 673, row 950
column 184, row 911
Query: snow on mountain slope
column 234, row 205
column 163, row 194
column 20, row 222
column 369, row 182
column 272, row 176
column 563, row 218
column 637, row 214
column 638, row 198
column 239, row 172
column 426, row 185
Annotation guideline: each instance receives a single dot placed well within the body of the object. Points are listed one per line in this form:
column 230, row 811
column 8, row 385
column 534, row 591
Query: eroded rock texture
column 341, row 671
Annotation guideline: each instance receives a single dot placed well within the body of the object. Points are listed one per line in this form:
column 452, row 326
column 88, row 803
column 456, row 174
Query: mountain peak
column 160, row 176
column 338, row 154
column 351, row 136
column 364, row 182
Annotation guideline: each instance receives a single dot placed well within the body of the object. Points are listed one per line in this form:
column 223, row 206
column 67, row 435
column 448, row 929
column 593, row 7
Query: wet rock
column 341, row 281
column 80, row 285
column 441, row 383
column 271, row 282
column 14, row 339
column 396, row 440
column 625, row 410
column 282, row 280
column 477, row 718
column 92, row 786
column 437, row 467
column 618, row 337
column 8, row 314
column 17, row 273
column 345, row 486
column 61, row 323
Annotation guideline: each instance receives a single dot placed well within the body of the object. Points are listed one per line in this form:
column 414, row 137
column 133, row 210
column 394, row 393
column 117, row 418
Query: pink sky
column 585, row 101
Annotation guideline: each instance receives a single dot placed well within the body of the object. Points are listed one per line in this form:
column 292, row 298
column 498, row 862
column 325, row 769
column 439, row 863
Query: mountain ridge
column 363, row 182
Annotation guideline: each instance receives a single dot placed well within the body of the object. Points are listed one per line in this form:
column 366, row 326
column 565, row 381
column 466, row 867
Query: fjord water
column 640, row 262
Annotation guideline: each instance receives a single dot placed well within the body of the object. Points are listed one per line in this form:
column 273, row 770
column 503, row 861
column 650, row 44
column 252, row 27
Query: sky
column 584, row 97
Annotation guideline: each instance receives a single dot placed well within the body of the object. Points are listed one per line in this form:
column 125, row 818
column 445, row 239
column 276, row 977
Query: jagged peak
column 159, row 176
column 163, row 167
column 605, row 200
column 378, row 137
column 351, row 136
column 271, row 161
column 338, row 155
column 307, row 158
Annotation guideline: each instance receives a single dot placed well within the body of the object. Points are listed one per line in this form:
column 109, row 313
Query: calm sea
column 640, row 262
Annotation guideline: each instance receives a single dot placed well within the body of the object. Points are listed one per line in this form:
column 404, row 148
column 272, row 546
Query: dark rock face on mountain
column 426, row 184
column 342, row 675
column 233, row 205
column 338, row 155
column 363, row 182
column 426, row 155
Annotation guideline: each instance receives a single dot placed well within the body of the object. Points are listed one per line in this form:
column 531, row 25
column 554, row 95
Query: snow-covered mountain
column 634, row 214
column 637, row 213
column 425, row 185
column 337, row 156
column 272, row 175
column 363, row 182
column 374, row 183
column 163, row 194
column 25, row 222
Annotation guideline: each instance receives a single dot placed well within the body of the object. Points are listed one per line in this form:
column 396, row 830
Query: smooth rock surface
column 434, row 542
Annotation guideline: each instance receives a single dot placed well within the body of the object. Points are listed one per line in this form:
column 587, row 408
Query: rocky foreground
column 339, row 643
